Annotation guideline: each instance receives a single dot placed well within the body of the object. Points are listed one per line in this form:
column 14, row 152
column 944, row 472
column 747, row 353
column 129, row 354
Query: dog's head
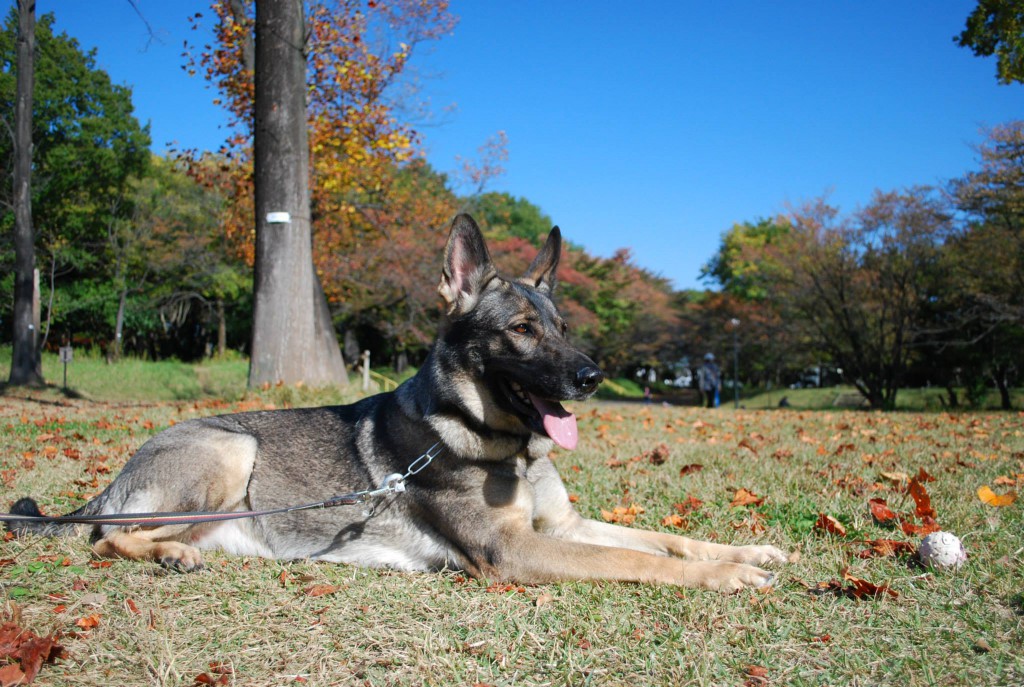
column 508, row 335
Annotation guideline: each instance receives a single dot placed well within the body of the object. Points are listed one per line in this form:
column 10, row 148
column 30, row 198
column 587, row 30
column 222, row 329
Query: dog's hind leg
column 151, row 545
column 190, row 467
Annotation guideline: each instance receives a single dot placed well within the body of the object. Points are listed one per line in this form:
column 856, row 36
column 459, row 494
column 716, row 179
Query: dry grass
column 255, row 618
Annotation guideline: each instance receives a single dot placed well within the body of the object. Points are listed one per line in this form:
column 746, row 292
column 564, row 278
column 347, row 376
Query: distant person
column 709, row 379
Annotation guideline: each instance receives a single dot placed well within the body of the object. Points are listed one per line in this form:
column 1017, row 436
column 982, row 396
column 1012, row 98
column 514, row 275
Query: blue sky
column 652, row 125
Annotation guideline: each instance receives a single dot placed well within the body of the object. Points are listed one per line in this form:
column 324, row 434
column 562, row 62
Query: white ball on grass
column 941, row 550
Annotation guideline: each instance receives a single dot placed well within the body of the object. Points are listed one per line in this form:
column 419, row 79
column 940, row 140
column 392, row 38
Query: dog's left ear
column 541, row 274
column 467, row 266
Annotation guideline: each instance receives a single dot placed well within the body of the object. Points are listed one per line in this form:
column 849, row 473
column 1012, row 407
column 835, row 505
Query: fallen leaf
column 689, row 469
column 896, row 478
column 544, row 600
column 884, row 548
column 881, row 512
column 756, row 676
column 26, row 653
column 927, row 526
column 11, row 675
column 674, row 520
column 826, row 523
column 860, row 588
column 658, row 455
column 219, row 668
column 690, row 505
column 88, row 622
column 745, row 443
column 743, row 497
column 991, row 498
column 320, row 589
column 622, row 515
column 922, row 502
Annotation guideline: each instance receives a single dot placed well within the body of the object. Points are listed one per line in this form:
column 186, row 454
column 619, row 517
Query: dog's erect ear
column 541, row 274
column 467, row 266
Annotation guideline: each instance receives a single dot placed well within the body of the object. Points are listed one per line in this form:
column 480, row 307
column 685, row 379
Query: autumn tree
column 352, row 53
column 996, row 27
column 862, row 283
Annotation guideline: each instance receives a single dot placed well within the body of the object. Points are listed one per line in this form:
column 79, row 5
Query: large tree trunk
column 26, row 362
column 1001, row 375
column 286, row 343
column 117, row 345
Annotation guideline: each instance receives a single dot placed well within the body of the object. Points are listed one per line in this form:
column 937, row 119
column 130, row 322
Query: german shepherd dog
column 492, row 504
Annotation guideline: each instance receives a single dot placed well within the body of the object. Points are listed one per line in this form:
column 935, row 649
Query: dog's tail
column 28, row 506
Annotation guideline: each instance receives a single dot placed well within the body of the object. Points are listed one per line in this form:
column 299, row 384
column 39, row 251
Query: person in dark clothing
column 709, row 379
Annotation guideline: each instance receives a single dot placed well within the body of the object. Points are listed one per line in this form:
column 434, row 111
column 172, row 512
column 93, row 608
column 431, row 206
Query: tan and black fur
column 492, row 504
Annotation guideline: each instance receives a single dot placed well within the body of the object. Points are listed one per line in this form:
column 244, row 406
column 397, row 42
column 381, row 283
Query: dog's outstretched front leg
column 595, row 532
column 528, row 556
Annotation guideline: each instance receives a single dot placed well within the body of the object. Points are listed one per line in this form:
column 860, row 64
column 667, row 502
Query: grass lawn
column 248, row 621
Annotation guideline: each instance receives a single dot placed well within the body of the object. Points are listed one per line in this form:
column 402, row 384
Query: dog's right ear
column 467, row 266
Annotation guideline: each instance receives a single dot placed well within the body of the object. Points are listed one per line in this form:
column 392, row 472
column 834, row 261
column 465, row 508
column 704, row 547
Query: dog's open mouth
column 557, row 422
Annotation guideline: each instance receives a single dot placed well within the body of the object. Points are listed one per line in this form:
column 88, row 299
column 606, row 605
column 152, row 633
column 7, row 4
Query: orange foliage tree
column 356, row 53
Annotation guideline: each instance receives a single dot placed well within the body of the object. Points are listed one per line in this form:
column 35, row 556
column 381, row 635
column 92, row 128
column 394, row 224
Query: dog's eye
column 522, row 328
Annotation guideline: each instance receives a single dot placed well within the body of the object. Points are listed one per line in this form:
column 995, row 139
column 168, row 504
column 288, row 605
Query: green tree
column 86, row 145
column 740, row 266
column 502, row 215
column 173, row 258
column 996, row 27
column 986, row 260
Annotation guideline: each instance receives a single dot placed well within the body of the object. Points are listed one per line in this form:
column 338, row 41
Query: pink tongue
column 558, row 422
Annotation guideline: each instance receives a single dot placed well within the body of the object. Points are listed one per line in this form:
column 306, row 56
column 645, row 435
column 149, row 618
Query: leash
column 392, row 484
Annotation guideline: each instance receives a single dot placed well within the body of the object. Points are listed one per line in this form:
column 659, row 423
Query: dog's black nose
column 587, row 378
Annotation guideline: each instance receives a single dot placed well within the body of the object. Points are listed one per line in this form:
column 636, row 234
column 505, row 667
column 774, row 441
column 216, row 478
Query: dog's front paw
column 761, row 555
column 724, row 577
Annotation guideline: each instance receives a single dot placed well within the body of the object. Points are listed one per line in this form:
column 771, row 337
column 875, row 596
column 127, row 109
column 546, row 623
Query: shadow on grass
column 32, row 393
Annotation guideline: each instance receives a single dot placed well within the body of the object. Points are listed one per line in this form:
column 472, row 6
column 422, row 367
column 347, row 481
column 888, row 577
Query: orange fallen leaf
column 622, row 515
column 674, row 520
column 743, row 497
column 756, row 676
column 884, row 548
column 991, row 498
column 922, row 502
column 860, row 588
column 881, row 512
column 745, row 443
column 826, row 523
column 927, row 526
column 89, row 621
column 690, row 505
column 321, row 589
